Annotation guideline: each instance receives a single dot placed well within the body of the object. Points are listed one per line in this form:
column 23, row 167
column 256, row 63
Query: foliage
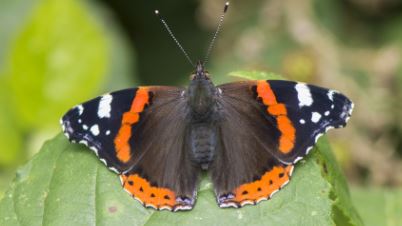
column 378, row 206
column 48, row 68
column 55, row 55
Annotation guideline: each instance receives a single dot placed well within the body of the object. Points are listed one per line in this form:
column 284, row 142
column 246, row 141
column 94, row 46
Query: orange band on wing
column 270, row 182
column 265, row 92
column 262, row 189
column 149, row 195
column 278, row 110
column 287, row 140
column 123, row 150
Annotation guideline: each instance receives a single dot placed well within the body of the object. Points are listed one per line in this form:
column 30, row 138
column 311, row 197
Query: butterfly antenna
column 211, row 45
column 173, row 37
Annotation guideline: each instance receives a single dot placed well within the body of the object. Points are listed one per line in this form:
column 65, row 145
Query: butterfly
column 248, row 135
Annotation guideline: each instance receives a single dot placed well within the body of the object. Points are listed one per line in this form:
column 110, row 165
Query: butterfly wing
column 140, row 134
column 266, row 127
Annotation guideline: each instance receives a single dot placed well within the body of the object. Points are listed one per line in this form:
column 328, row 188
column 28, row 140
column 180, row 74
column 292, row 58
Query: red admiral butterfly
column 248, row 135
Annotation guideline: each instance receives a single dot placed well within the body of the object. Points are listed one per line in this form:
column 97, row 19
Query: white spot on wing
column 139, row 200
column 304, row 95
column 181, row 207
column 284, row 184
column 317, row 137
column 331, row 94
column 114, row 169
column 80, row 109
column 326, row 113
column 273, row 193
column 165, row 208
column 309, row 149
column 315, row 117
column 297, row 159
column 247, row 202
column 261, row 199
column 95, row 130
column 150, row 205
column 107, row 132
column 105, row 106
column 85, row 127
column 84, row 142
column 328, row 128
column 352, row 105
column 302, row 121
column 104, row 161
column 291, row 171
column 229, row 204
column 94, row 150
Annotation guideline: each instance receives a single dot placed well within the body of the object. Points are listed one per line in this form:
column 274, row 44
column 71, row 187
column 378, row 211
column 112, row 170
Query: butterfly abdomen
column 203, row 143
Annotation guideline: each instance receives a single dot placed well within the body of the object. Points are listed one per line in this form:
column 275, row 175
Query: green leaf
column 254, row 75
column 343, row 211
column 65, row 184
column 11, row 151
column 11, row 14
column 379, row 206
column 59, row 57
column 10, row 145
column 121, row 58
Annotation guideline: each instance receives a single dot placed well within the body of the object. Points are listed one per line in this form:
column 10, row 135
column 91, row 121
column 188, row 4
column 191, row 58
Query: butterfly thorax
column 202, row 97
column 201, row 94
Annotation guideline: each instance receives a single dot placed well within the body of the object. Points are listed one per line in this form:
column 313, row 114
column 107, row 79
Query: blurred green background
column 57, row 53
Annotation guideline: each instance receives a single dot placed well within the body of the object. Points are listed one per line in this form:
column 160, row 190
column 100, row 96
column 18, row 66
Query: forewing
column 97, row 122
column 311, row 110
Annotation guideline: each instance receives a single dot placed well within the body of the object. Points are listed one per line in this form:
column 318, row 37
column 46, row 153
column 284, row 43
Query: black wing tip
column 67, row 124
column 75, row 137
column 66, row 128
column 346, row 110
column 343, row 106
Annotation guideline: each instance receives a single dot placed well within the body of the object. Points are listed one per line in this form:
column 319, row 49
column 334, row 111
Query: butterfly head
column 200, row 72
